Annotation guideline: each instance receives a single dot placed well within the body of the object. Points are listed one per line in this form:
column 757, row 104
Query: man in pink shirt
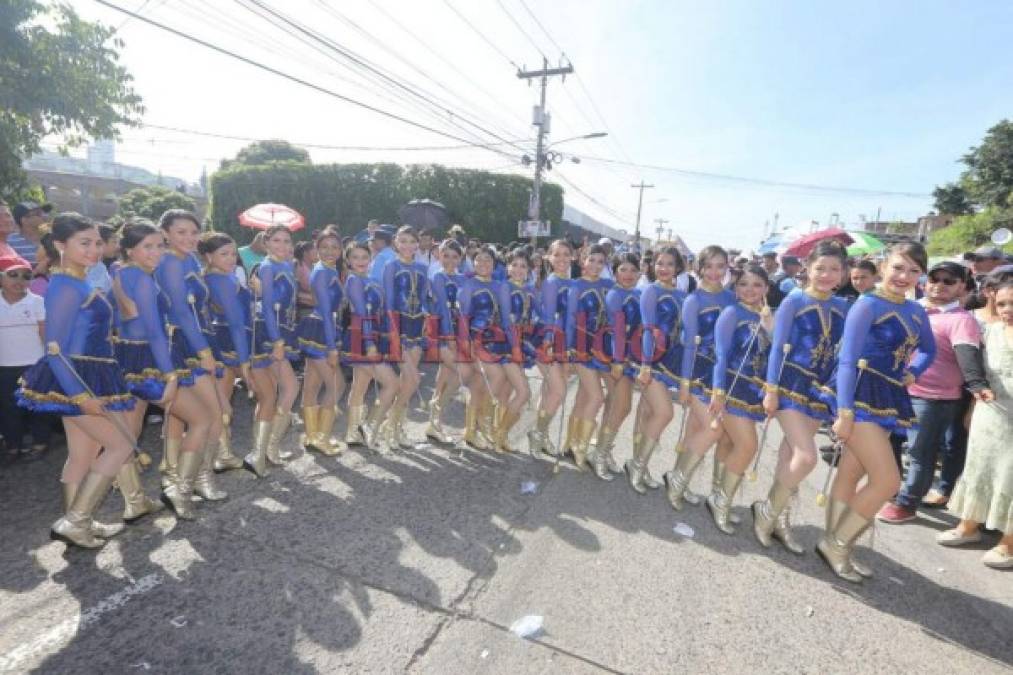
column 937, row 395
column 6, row 228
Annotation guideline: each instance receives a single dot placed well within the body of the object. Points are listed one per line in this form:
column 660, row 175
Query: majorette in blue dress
column 741, row 348
column 79, row 345
column 586, row 319
column 318, row 332
column 445, row 289
column 807, row 332
column 179, row 277
column 485, row 306
column 662, row 350
column 143, row 348
column 552, row 306
column 406, row 294
column 276, row 318
column 622, row 311
column 891, row 337
column 524, row 320
column 232, row 308
column 699, row 315
column 367, row 330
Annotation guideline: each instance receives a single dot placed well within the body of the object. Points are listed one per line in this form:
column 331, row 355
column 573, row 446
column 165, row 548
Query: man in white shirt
column 22, row 326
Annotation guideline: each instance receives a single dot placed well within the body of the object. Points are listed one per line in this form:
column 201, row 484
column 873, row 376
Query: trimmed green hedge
column 488, row 205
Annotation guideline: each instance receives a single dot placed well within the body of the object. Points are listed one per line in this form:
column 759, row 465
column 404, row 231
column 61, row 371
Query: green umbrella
column 864, row 244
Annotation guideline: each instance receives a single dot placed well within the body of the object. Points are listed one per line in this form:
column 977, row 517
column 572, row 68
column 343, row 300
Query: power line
column 520, row 28
column 348, row 54
column 759, row 181
column 287, row 76
column 540, row 26
column 481, row 34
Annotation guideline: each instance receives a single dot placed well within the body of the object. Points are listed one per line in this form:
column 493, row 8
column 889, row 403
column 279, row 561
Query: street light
column 585, row 137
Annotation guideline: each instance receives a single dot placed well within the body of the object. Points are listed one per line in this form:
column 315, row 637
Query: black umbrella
column 424, row 214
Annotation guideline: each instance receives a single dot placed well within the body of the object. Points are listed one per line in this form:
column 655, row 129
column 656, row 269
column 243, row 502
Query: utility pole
column 640, row 205
column 541, row 120
column 661, row 226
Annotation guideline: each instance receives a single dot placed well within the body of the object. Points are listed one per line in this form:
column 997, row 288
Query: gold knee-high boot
column 834, row 510
column 279, row 425
column 136, row 504
column 471, row 435
column 538, row 438
column 353, row 432
column 766, row 512
column 373, row 431
column 204, row 485
column 487, row 421
column 677, row 480
column 582, row 432
column 568, row 438
column 602, row 457
column 400, row 436
column 688, row 495
column 170, row 458
column 256, row 461
column 504, row 424
column 836, row 545
column 435, row 430
column 636, row 466
column 103, row 530
column 721, row 500
column 179, row 497
column 329, row 445
column 75, row 526
column 311, row 431
column 224, row 459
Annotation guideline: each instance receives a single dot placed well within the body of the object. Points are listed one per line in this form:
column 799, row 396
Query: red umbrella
column 263, row 216
column 802, row 246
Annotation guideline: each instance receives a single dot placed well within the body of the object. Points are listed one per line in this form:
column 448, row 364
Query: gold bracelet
column 771, row 388
column 171, row 377
column 718, row 393
column 846, row 413
column 205, row 352
column 280, row 342
column 80, row 398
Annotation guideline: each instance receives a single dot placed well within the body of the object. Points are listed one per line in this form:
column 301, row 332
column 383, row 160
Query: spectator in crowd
column 22, row 322
column 861, row 279
column 938, row 393
column 253, row 254
column 985, row 311
column 985, row 259
column 606, row 243
column 783, row 282
column 305, row 258
column 372, row 226
column 111, row 240
column 46, row 257
column 6, row 230
column 383, row 253
column 769, row 262
column 29, row 217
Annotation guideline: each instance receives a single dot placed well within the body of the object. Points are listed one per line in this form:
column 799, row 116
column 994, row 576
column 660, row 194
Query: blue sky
column 884, row 96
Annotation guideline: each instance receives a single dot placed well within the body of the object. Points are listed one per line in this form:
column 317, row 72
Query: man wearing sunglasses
column 22, row 322
column 937, row 397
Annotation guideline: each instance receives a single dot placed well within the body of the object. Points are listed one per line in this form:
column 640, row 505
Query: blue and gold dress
column 406, row 294
column 586, row 320
column 79, row 345
column 622, row 311
column 662, row 350
column 741, row 348
column 232, row 310
column 807, row 332
column 142, row 346
column 885, row 338
column 699, row 315
column 367, row 328
column 524, row 320
column 179, row 277
column 318, row 332
column 485, row 306
column 445, row 289
column 552, row 307
column 276, row 318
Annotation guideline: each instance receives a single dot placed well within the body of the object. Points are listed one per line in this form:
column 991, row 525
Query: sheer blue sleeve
column 145, row 296
column 690, row 326
column 267, row 302
column 572, row 305
column 617, row 320
column 63, row 302
column 783, row 319
column 171, row 275
column 425, row 297
column 856, row 328
column 387, row 280
column 724, row 338
column 442, row 303
column 547, row 307
column 224, row 294
column 319, row 283
column 926, row 345
column 649, row 321
column 505, row 318
column 464, row 298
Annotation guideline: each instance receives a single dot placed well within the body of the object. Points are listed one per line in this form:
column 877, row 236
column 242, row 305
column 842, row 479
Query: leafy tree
column 989, row 174
column 151, row 202
column 952, row 199
column 970, row 231
column 262, row 152
column 59, row 75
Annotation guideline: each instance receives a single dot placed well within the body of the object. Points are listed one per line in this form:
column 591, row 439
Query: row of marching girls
column 816, row 361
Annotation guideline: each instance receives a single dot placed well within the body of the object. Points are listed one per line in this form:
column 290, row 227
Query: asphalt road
column 423, row 560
